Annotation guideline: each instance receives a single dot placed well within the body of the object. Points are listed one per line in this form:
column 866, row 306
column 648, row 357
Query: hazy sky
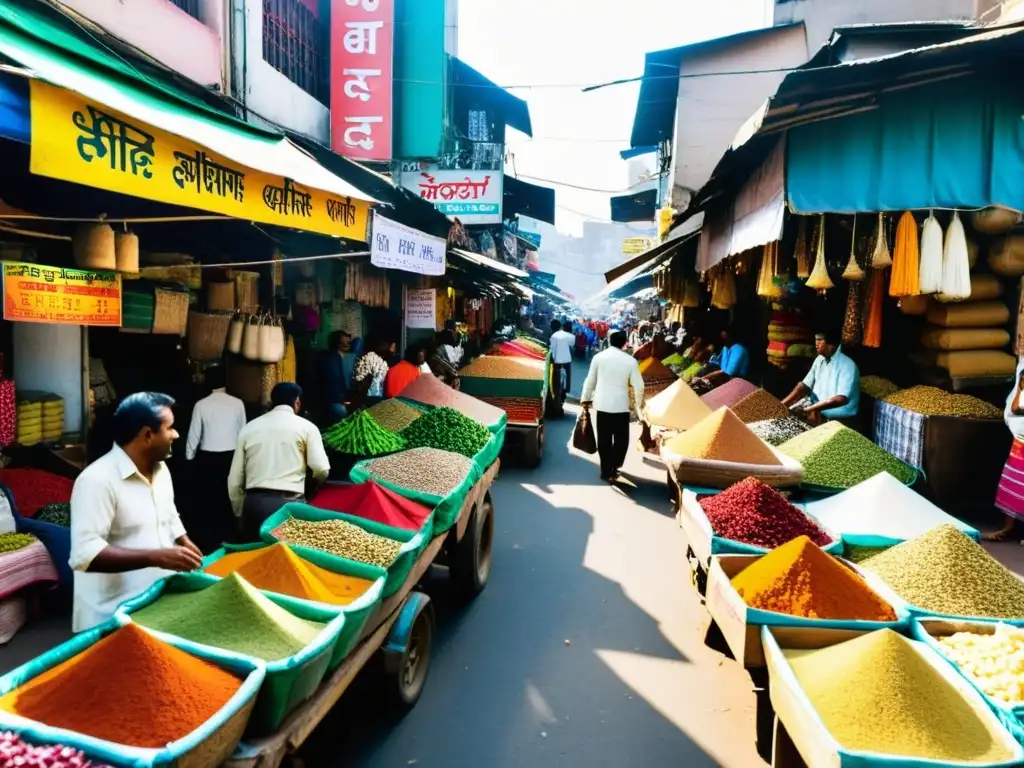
column 550, row 44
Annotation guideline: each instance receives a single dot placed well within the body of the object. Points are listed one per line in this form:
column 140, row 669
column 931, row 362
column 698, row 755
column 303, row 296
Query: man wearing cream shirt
column 273, row 455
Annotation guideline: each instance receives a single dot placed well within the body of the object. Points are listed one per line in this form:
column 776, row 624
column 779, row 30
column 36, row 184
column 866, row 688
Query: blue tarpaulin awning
column 527, row 199
column 15, row 116
column 638, row 206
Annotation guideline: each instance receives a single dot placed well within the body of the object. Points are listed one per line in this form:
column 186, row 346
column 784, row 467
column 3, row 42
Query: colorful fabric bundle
column 905, row 279
column 873, row 312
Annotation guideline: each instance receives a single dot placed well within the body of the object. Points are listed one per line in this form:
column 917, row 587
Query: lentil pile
column 12, row 542
column 448, row 430
column 759, row 406
column 995, row 662
column 947, row 572
column 932, row 401
column 493, row 367
column 427, row 470
column 877, row 387
column 15, row 753
column 754, row 513
column 361, row 435
column 233, row 615
column 118, row 690
column 341, row 538
column 836, row 456
column 722, row 437
column 430, row 391
column 277, row 569
column 55, row 514
column 777, row 431
column 652, row 371
column 876, row 693
column 728, row 394
column 800, row 580
column 394, row 415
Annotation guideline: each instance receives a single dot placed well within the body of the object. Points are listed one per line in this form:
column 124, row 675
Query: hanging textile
column 906, row 259
column 956, row 264
column 766, row 286
column 873, row 311
column 723, row 288
column 931, row 255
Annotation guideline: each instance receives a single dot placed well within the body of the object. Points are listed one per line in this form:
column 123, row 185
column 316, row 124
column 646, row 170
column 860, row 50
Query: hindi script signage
column 420, row 307
column 85, row 143
column 396, row 246
column 473, row 196
column 41, row 294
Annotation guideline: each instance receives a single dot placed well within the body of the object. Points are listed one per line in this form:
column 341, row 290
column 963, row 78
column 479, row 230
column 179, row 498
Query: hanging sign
column 396, row 246
column 420, row 307
column 38, row 294
column 633, row 246
column 473, row 196
column 362, row 55
column 87, row 143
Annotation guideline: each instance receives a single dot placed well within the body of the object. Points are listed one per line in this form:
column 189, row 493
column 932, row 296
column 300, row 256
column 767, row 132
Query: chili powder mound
column 800, row 580
column 723, row 437
column 753, row 513
column 372, row 501
column 129, row 688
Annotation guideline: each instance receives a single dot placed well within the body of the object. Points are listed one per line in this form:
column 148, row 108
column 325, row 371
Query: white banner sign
column 473, row 196
column 420, row 308
column 396, row 246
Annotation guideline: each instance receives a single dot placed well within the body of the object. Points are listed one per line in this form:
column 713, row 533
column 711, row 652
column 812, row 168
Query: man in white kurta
column 125, row 529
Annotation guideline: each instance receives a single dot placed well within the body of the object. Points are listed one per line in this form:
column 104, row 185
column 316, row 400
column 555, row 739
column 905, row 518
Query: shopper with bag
column 606, row 390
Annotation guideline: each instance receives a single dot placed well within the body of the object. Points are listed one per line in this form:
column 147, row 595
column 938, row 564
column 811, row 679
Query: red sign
column 362, row 53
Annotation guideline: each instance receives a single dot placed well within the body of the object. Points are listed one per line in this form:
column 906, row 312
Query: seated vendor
column 832, row 388
column 731, row 361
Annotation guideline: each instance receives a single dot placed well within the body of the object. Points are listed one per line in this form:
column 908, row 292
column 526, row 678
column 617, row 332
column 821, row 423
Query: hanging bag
column 583, row 438
column 881, row 259
column 251, row 338
column 271, row 347
column 235, row 331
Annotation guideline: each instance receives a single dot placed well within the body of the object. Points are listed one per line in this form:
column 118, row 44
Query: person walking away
column 404, row 373
column 606, row 390
column 1010, row 494
column 126, row 533
column 217, row 420
column 274, row 454
column 831, row 389
column 560, row 344
column 339, row 367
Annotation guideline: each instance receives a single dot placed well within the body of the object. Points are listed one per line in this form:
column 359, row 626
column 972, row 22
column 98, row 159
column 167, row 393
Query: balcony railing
column 191, row 7
column 296, row 44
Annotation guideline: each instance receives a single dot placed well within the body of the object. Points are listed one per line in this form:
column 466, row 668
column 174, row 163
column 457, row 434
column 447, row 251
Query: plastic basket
column 356, row 613
column 288, row 681
column 208, row 745
column 413, row 542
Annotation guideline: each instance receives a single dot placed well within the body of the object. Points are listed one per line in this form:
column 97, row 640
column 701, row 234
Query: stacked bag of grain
column 53, row 417
column 788, row 337
column 30, row 420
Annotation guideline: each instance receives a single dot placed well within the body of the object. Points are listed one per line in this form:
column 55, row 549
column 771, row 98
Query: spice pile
column 777, row 431
column 55, row 514
column 877, row 387
column 15, row 753
column 394, row 415
column 513, row 349
column 448, row 430
column 33, row 488
column 120, row 688
column 995, row 662
column 427, row 470
column 233, row 615
column 371, row 501
column 277, row 569
column 876, row 693
column 655, row 373
column 722, row 437
column 430, row 391
column 800, row 580
column 728, row 394
column 836, row 456
column 753, row 513
column 340, row 538
column 932, row 401
column 759, row 406
column 947, row 572
column 361, row 435
column 12, row 542
column 677, row 407
column 522, row 410
column 490, row 367
column 858, row 554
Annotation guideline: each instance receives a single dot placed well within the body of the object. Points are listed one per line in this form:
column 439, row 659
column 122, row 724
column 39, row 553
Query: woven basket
column 722, row 474
column 247, row 291
column 207, row 335
column 126, row 252
column 93, row 247
column 170, row 312
column 220, row 297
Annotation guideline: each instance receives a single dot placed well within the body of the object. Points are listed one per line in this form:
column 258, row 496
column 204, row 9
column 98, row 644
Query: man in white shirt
column 125, row 529
column 217, row 420
column 607, row 391
column 560, row 345
column 270, row 463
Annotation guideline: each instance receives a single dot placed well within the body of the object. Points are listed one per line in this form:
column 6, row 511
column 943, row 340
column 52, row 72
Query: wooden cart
column 401, row 628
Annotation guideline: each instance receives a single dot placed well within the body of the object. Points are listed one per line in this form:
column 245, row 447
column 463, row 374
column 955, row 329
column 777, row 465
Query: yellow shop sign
column 87, row 143
column 41, row 294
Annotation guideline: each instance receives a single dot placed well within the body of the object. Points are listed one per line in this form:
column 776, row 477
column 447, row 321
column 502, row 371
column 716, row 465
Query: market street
column 586, row 648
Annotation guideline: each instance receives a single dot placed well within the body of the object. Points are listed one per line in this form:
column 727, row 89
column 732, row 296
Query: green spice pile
column 58, row 513
column 361, row 435
column 427, row 470
column 932, row 401
column 394, row 415
column 876, row 693
column 448, row 430
column 836, row 456
column 12, row 542
column 233, row 615
column 777, row 431
column 340, row 538
column 948, row 572
column 858, row 554
column 877, row 387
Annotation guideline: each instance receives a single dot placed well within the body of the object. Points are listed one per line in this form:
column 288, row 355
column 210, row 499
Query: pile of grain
column 394, row 415
column 778, row 431
column 427, row 470
column 759, row 406
column 654, row 372
column 877, row 387
column 723, row 437
column 728, row 394
column 677, row 407
column 994, row 662
column 932, row 401
column 497, row 367
column 836, row 456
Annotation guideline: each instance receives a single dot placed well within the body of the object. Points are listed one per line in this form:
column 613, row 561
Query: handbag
column 234, row 342
column 271, row 342
column 583, row 438
column 251, row 338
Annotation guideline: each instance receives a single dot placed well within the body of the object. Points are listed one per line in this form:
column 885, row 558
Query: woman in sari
column 1010, row 495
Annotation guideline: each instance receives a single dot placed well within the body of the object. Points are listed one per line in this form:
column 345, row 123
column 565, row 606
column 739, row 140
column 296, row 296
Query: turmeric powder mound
column 279, row 569
column 800, row 580
column 723, row 437
column 129, row 688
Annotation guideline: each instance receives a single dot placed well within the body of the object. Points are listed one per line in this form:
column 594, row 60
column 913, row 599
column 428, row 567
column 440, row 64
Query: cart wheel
column 407, row 652
column 533, row 449
column 471, row 563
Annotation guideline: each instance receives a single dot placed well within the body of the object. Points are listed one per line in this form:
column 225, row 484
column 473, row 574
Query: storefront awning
column 635, row 264
column 527, row 199
column 482, row 261
column 95, row 127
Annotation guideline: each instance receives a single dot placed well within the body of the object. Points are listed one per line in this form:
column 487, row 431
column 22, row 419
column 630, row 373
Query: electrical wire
column 626, row 191
column 289, row 260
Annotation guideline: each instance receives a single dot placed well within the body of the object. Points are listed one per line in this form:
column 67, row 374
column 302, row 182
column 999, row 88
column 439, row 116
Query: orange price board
column 39, row 294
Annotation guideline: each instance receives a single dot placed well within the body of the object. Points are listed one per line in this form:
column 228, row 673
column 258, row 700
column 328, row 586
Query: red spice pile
column 33, row 489
column 430, row 391
column 753, row 513
column 371, row 501
column 519, row 409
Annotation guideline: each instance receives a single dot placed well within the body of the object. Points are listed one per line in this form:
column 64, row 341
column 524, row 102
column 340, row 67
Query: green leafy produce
column 448, row 430
column 58, row 513
column 11, row 542
column 361, row 435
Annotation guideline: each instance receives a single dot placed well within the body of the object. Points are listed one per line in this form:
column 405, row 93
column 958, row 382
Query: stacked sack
column 53, row 417
column 30, row 420
column 788, row 337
